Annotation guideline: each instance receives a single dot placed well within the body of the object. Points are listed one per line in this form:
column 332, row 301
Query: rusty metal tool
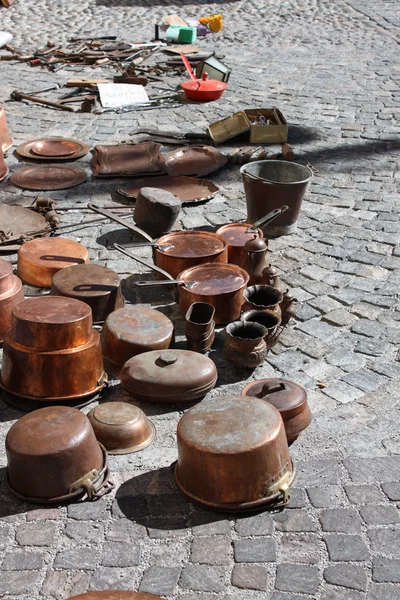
column 55, row 86
column 17, row 95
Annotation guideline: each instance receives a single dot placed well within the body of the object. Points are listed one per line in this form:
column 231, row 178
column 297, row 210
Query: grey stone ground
column 333, row 68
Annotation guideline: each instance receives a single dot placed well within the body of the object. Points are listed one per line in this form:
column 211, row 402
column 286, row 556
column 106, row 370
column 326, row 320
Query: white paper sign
column 113, row 95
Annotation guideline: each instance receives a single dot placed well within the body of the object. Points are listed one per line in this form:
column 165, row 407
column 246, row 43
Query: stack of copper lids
column 11, row 293
column 52, row 352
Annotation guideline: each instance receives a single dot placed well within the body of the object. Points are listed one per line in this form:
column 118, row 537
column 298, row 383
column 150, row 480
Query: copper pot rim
column 235, row 507
column 25, row 151
column 95, row 390
column 103, row 475
column 229, row 226
column 189, row 274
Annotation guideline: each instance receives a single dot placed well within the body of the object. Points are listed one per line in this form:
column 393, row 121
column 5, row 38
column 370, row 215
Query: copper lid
column 121, row 427
column 115, row 595
column 54, row 148
column 193, row 244
column 288, row 397
column 256, row 244
column 40, row 259
column 51, row 323
column 235, row 233
column 169, row 376
column 48, row 177
column 215, row 278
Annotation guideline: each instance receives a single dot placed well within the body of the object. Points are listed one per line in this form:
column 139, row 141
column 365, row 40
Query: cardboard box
column 276, row 131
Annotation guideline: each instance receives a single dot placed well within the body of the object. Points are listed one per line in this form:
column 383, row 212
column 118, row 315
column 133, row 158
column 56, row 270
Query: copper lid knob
column 167, row 358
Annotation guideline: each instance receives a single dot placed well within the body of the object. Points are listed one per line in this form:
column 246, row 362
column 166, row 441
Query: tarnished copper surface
column 232, row 453
column 97, row 286
column 169, row 376
column 4, row 170
column 115, row 595
column 200, row 327
column 50, row 336
column 236, row 237
column 263, row 297
column 221, row 285
column 52, row 177
column 49, row 449
column 197, row 161
column 121, row 427
column 289, row 398
column 18, row 221
column 71, row 149
column 125, row 159
column 245, row 345
column 40, row 259
column 11, row 293
column 132, row 330
column 5, row 137
column 188, row 189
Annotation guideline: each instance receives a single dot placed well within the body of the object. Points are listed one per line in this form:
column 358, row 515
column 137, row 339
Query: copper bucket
column 52, row 336
column 53, row 456
column 5, row 137
column 11, row 293
column 233, row 454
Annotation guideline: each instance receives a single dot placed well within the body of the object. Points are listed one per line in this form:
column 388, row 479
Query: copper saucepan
column 177, row 251
column 221, row 285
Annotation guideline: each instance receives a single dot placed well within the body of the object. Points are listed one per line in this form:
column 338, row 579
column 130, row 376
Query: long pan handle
column 143, row 262
column 158, row 282
column 110, row 215
column 268, row 218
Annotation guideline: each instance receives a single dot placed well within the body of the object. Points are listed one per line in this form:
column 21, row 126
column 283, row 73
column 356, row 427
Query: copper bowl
column 132, row 330
column 233, row 454
column 121, row 427
column 287, row 397
column 40, row 259
column 235, row 235
column 53, row 456
column 52, row 339
column 5, row 138
column 115, row 595
column 11, row 293
column 97, row 286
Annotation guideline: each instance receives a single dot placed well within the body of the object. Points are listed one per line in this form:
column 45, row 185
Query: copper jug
column 257, row 250
column 271, row 277
column 288, row 307
column 245, row 345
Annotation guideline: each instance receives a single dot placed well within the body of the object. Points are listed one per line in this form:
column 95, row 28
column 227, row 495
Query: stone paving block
column 297, row 499
column 23, row 561
column 300, row 548
column 386, row 570
column 363, row 494
column 342, row 392
column 319, row 329
column 124, row 530
column 106, row 578
column 126, row 507
column 89, row 531
column 365, row 381
column 378, row 591
column 116, row 554
column 202, row 578
column 364, row 310
column 169, row 553
column 170, row 529
column 43, row 514
column 314, row 473
column 86, row 511
column 213, row 550
column 340, row 317
column 385, row 541
column 325, row 304
column 340, row 520
column 207, row 524
column 297, row 578
column 392, row 490
column 32, row 534
column 160, row 580
column 334, row 593
column 370, row 470
column 346, row 548
column 4, row 535
column 18, row 582
column 55, row 584
column 325, row 497
column 373, row 347
column 251, row 577
column 83, row 558
column 380, row 515
column 294, row 520
column 256, row 550
column 261, row 524
column 348, row 576
column 368, row 328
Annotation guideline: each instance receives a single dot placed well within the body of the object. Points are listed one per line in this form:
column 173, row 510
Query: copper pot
column 52, row 339
column 270, row 321
column 132, row 330
column 115, row 595
column 97, row 286
column 41, row 258
column 11, row 293
column 289, row 398
column 53, row 456
column 263, row 297
column 233, row 454
column 5, row 138
column 121, row 427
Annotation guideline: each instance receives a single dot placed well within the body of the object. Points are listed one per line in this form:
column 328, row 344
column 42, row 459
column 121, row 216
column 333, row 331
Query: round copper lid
column 115, row 595
column 121, row 427
column 86, row 280
column 48, row 177
column 169, row 376
column 192, row 244
column 49, row 147
column 286, row 396
column 215, row 278
column 6, row 270
column 51, row 323
column 235, row 233
column 54, row 148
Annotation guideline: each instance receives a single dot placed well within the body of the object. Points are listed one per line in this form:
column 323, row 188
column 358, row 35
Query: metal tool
column 122, row 222
column 55, row 86
column 17, row 95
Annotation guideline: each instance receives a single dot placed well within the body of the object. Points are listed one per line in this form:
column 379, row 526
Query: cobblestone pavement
column 333, row 69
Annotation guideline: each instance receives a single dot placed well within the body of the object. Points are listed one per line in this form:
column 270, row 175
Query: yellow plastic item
column 214, row 22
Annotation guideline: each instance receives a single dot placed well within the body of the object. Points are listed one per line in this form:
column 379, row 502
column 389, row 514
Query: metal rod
column 109, row 215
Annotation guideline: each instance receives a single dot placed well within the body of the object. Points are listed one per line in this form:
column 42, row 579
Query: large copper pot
column 11, row 293
column 52, row 340
column 5, row 137
column 53, row 456
column 233, row 454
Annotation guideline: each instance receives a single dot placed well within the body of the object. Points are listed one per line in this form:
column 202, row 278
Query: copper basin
column 40, row 259
column 132, row 330
column 5, row 138
column 97, row 286
column 115, row 595
column 121, row 427
column 11, row 293
column 50, row 336
column 233, row 454
column 50, row 451
column 236, row 237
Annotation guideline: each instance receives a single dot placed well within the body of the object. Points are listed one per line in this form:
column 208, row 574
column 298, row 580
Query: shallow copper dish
column 53, row 456
column 18, row 221
column 52, row 339
column 132, row 330
column 51, row 149
column 196, row 161
column 233, row 454
column 40, row 259
column 11, row 293
column 52, row 177
column 188, row 189
column 94, row 284
column 115, row 595
column 122, row 428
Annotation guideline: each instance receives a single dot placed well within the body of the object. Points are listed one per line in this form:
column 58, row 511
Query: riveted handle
column 271, row 389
